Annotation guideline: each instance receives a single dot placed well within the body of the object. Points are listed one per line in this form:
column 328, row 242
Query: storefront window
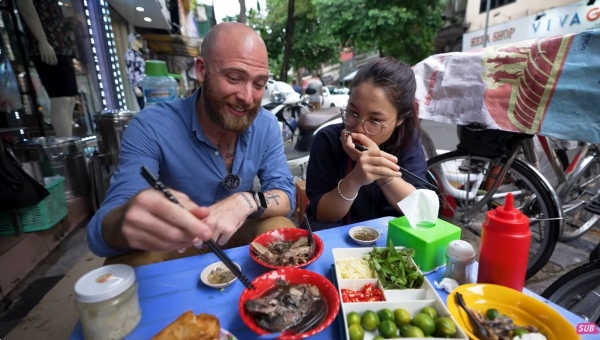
column 37, row 106
column 121, row 32
column 494, row 4
column 19, row 107
column 88, row 100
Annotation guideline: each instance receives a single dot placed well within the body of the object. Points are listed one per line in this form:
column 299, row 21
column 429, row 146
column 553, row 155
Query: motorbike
column 286, row 104
column 297, row 121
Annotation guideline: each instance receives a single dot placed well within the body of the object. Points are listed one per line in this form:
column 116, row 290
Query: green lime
column 388, row 329
column 353, row 318
column 404, row 330
column 385, row 314
column 520, row 331
column 369, row 320
column 430, row 311
column 379, row 337
column 355, row 332
column 492, row 314
column 401, row 317
column 425, row 323
column 444, row 326
column 414, row 332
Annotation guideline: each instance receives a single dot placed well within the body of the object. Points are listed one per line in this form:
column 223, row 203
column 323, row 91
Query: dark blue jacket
column 328, row 164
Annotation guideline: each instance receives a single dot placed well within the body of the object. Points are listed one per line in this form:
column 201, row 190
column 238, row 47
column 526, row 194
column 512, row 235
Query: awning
column 173, row 45
column 350, row 76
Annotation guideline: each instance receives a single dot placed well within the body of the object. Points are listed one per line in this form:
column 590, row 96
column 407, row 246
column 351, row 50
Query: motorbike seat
column 312, row 120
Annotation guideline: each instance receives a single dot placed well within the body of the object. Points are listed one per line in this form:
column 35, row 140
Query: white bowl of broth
column 365, row 236
column 218, row 276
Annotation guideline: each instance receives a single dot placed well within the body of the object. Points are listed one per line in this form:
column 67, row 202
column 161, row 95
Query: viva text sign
column 574, row 18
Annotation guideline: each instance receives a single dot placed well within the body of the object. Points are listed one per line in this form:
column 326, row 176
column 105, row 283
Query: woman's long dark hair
column 397, row 79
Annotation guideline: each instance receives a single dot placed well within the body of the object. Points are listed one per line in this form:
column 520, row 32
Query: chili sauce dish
column 365, row 236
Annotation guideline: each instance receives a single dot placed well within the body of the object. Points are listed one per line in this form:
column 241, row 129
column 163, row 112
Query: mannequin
column 136, row 66
column 52, row 49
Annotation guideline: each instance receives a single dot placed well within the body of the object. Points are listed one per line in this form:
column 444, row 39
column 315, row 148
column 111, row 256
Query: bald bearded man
column 207, row 149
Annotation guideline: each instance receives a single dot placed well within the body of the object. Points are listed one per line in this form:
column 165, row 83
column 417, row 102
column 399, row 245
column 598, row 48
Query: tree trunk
column 242, row 17
column 299, row 77
column 289, row 41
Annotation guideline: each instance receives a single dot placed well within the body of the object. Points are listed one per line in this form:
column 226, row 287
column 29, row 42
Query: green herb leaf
column 387, row 269
column 394, row 267
column 392, row 249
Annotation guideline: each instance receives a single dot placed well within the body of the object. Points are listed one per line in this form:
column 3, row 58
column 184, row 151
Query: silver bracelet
column 340, row 192
column 386, row 183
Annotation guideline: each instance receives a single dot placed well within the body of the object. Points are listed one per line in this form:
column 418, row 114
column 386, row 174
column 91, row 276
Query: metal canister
column 31, row 160
column 110, row 126
column 460, row 257
column 101, row 171
column 61, row 156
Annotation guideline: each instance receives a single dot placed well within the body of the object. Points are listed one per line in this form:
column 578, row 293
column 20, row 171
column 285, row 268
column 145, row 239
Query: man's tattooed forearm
column 248, row 201
column 274, row 198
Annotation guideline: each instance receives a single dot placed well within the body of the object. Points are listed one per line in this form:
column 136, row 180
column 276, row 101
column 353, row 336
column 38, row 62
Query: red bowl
column 291, row 275
column 286, row 234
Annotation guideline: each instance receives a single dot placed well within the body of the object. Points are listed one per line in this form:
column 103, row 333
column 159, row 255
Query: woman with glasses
column 345, row 185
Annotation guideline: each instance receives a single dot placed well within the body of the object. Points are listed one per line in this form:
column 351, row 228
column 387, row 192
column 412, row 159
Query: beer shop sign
column 572, row 18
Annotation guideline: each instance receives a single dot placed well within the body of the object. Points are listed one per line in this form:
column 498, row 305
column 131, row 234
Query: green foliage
column 395, row 267
column 312, row 45
column 404, row 29
column 230, row 18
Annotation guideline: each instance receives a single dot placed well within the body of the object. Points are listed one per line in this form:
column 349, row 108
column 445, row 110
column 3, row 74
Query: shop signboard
column 573, row 18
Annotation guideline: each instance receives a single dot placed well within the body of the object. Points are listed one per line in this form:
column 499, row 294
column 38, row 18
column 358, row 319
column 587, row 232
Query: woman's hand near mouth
column 372, row 164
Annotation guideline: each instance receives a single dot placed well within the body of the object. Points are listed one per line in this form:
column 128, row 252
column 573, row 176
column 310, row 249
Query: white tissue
column 420, row 208
column 446, row 284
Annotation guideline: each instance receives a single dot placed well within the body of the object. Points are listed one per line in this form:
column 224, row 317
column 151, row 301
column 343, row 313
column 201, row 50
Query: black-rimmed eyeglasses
column 371, row 126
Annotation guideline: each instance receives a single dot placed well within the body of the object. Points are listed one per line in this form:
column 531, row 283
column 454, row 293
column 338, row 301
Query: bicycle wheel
column 578, row 218
column 427, row 144
column 461, row 181
column 578, row 291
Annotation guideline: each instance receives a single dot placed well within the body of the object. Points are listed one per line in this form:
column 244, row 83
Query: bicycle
column 579, row 289
column 578, row 188
column 485, row 168
column 427, row 143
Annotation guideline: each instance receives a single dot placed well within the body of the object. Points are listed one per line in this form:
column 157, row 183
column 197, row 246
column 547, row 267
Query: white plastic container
column 412, row 300
column 107, row 301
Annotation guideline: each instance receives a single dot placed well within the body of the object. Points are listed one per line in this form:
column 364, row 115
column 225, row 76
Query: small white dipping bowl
column 206, row 272
column 354, row 230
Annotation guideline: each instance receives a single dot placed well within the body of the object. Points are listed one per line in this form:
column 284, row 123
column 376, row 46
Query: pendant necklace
column 231, row 181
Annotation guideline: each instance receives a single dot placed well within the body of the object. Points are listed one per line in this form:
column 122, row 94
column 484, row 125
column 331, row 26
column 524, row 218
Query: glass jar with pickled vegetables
column 107, row 301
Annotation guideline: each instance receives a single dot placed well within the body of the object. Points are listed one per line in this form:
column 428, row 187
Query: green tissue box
column 429, row 243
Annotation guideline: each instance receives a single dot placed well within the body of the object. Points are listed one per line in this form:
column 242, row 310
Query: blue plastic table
column 168, row 289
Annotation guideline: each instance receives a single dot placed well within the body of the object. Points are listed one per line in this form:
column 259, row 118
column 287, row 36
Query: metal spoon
column 311, row 239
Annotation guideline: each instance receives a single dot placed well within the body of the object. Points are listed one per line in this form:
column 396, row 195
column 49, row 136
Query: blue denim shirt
column 168, row 139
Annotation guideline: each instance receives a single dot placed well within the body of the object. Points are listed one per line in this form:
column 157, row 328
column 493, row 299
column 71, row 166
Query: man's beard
column 218, row 114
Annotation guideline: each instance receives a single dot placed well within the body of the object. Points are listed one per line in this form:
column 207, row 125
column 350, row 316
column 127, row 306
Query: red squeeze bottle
column 504, row 248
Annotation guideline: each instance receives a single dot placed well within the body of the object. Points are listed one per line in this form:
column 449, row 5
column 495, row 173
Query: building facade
column 518, row 20
column 449, row 37
column 124, row 17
